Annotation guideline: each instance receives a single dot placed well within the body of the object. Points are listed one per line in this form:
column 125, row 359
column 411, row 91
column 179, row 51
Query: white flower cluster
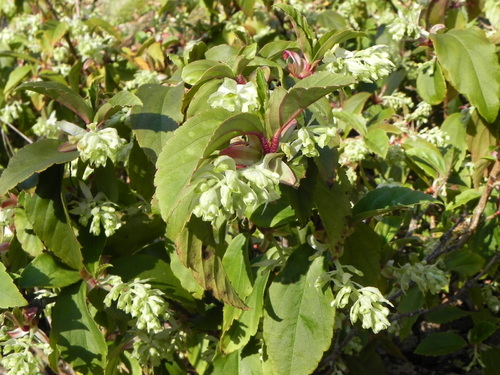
column 235, row 97
column 421, row 114
column 89, row 44
column 225, row 190
column 96, row 145
column 137, row 298
column 428, row 277
column 305, row 140
column 158, row 335
column 397, row 101
column 46, row 127
column 367, row 65
column 435, row 136
column 368, row 303
column 101, row 212
column 490, row 295
column 17, row 356
column 406, row 23
column 10, row 112
column 142, row 77
column 354, row 150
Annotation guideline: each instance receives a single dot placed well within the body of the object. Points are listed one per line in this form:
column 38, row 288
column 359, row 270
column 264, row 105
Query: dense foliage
column 249, row 187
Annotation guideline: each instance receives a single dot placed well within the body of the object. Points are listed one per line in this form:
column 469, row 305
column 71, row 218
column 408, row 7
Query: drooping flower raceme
column 354, row 150
column 369, row 305
column 428, row 277
column 307, row 138
column 367, row 65
column 96, row 145
column 235, row 97
column 46, row 127
column 226, row 191
column 140, row 300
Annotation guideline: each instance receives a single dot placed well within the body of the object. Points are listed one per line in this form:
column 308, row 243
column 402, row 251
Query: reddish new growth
column 300, row 67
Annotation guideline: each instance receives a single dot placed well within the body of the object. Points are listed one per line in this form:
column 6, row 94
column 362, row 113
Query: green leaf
column 75, row 334
column 469, row 61
column 120, row 100
column 455, row 128
column 247, row 324
column 446, row 314
column 332, row 37
column 206, row 265
column 25, row 233
column 334, row 207
column 272, row 215
column 203, row 70
column 437, row 344
column 362, row 250
column 377, row 141
column 307, row 91
column 481, row 331
column 426, row 156
column 465, row 262
column 46, row 272
column 431, row 85
column 33, row 158
column 180, row 158
column 241, row 362
column 16, row 76
column 491, row 360
column 46, row 211
column 62, row 94
column 247, row 6
column 298, row 318
column 386, row 199
column 9, row 294
column 153, row 123
column 302, row 28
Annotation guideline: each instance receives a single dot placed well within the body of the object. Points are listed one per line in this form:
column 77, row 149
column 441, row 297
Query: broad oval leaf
column 63, row 95
column 16, row 76
column 46, row 272
column 307, row 91
column 431, row 85
column 51, row 222
column 9, row 294
column 31, row 159
column 120, row 100
column 298, row 318
column 440, row 343
column 204, row 70
column 386, row 199
column 75, row 334
column 471, row 64
column 160, row 115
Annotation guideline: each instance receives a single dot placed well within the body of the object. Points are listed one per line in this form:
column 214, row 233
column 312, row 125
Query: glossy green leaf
column 426, row 156
column 303, row 30
column 334, row 208
column 309, row 90
column 206, row 266
column 441, row 343
column 491, row 360
column 160, row 115
column 377, row 142
column 455, row 128
column 298, row 318
column 33, row 158
column 465, row 262
column 431, row 85
column 62, row 94
column 331, row 38
column 446, row 315
column 75, row 334
column 362, row 250
column 481, row 138
column 9, row 294
column 16, row 77
column 51, row 222
column 481, row 331
column 46, row 272
column 272, row 215
column 471, row 64
column 241, row 362
column 203, row 70
column 25, row 233
column 120, row 100
column 180, row 158
column 184, row 274
column 386, row 199
column 247, row 324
